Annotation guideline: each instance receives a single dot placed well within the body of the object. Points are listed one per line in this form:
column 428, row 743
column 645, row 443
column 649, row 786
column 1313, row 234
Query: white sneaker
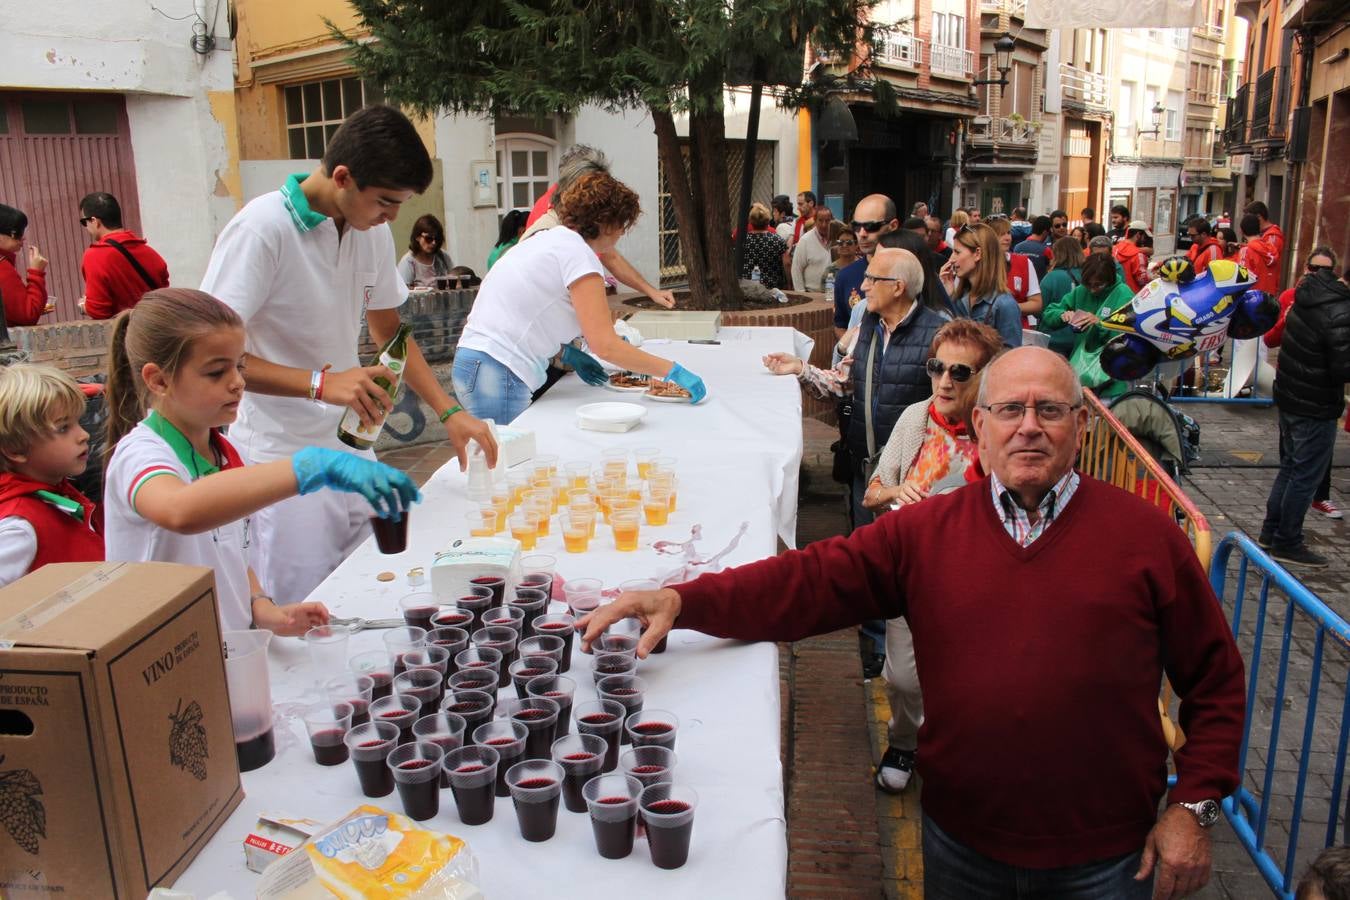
column 895, row 769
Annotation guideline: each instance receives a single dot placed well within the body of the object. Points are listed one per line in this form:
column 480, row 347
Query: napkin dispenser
column 453, row 569
column 514, row 446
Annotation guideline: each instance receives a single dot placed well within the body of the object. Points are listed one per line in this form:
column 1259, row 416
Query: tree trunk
column 707, row 132
column 686, row 214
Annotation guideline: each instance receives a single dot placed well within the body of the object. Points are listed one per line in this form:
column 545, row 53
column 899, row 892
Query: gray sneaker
column 1299, row 556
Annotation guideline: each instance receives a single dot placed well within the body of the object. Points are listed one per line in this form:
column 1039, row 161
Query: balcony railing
column 1236, row 131
column 1011, row 130
column 1011, row 7
column 1081, row 86
column 950, row 62
column 1196, row 95
column 1268, row 106
column 899, row 49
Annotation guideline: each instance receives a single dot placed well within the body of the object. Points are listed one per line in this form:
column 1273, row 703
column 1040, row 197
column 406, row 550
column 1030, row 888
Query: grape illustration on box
column 187, row 740
column 1181, row 313
column 21, row 812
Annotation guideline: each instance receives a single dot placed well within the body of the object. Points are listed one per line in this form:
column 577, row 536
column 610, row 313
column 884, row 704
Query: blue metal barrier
column 1301, row 612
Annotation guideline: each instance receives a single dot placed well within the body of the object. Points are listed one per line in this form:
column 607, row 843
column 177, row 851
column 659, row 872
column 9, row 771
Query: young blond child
column 176, row 489
column 43, row 518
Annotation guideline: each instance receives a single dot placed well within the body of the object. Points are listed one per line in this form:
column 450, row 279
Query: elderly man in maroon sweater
column 1046, row 607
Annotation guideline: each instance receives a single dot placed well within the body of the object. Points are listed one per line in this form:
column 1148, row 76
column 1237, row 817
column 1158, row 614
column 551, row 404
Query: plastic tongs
column 356, row 623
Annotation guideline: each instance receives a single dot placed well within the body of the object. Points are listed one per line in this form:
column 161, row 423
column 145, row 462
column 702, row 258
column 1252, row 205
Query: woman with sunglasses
column 426, row 259
column 976, row 279
column 930, row 451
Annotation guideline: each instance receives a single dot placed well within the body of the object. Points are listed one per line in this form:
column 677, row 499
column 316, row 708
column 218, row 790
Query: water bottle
column 755, row 275
column 829, row 283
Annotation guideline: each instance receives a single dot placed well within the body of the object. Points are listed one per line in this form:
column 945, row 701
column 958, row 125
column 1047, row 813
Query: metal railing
column 1011, row 7
column 899, row 49
column 1265, row 93
column 1112, row 454
column 1311, row 646
column 953, row 62
column 1236, row 131
column 1004, row 130
column 1082, row 86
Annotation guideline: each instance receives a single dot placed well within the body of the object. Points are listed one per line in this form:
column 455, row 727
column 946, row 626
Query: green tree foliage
column 671, row 57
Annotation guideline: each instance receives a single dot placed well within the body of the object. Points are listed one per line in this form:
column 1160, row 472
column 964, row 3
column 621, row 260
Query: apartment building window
column 315, row 110
column 1179, row 38
column 525, row 167
column 949, row 29
column 1172, row 116
column 1126, row 114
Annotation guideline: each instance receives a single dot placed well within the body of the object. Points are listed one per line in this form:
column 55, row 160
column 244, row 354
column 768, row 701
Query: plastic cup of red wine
column 668, row 812
column 507, row 737
column 649, row 765
column 472, row 771
column 477, row 660
column 375, row 665
column 531, row 601
column 629, row 690
column 452, row 640
column 399, row 710
column 495, row 582
column 509, row 616
column 328, row 723
column 428, row 657
column 474, row 707
column 537, row 570
column 416, row 768
column 559, row 625
column 453, row 617
column 528, row 668
column 560, row 690
column 536, row 788
column 445, row 730
column 503, row 639
column 391, row 534
column 605, row 719
column 398, row 641
column 539, row 715
column 478, row 600
column 369, row 746
column 606, row 664
column 582, row 594
column 653, row 728
column 418, row 608
column 543, row 645
column 356, row 691
column 613, row 804
column 426, row 685
column 617, row 643
column 581, row 756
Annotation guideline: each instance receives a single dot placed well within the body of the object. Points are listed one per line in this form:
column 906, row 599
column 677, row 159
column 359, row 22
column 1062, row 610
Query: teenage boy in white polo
column 301, row 266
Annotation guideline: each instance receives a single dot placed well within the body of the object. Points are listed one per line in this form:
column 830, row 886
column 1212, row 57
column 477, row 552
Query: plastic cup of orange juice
column 644, row 457
column 525, row 528
column 576, row 529
column 625, row 526
column 656, row 506
column 482, row 522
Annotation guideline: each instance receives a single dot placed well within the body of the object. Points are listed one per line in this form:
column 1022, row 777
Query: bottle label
column 351, row 422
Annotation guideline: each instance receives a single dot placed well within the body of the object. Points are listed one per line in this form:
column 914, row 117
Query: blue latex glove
column 385, row 488
column 689, row 381
column 587, row 366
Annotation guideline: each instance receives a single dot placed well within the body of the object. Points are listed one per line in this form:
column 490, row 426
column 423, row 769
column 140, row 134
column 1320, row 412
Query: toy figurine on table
column 1181, row 313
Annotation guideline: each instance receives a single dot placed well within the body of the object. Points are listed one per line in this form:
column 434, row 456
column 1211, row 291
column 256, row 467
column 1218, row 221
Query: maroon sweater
column 1041, row 744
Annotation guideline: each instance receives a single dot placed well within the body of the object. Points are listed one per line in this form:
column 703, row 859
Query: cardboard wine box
column 117, row 758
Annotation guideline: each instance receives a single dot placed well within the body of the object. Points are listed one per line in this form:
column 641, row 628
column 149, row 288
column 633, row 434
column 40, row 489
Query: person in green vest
column 1101, row 293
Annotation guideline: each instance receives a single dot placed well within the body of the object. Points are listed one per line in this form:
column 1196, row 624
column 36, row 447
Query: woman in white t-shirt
column 545, row 293
column 176, row 490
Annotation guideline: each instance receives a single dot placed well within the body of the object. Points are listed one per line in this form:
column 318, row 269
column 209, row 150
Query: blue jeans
column 952, row 871
column 488, row 389
column 1306, row 446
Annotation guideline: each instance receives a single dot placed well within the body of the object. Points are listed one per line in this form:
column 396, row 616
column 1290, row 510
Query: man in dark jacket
column 1310, row 393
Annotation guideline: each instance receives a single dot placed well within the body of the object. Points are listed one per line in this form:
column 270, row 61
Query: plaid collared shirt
column 1015, row 519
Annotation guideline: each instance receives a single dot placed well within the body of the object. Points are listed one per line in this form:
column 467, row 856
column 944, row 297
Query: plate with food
column 666, row 392
column 628, row 382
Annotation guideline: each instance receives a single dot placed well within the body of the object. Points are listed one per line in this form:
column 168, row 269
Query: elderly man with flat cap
column 1046, row 607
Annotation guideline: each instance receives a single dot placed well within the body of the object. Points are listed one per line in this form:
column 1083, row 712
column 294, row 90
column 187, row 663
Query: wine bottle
column 393, row 356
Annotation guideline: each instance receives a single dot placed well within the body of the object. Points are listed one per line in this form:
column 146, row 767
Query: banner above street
column 1136, row 14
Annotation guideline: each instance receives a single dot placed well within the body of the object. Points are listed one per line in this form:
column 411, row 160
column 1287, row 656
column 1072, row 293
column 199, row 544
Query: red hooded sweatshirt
column 68, row 525
column 24, row 303
column 111, row 283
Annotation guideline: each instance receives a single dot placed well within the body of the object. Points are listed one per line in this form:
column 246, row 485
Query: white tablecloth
column 738, row 455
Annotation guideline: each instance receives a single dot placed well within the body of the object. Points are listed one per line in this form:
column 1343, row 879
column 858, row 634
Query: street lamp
column 1157, row 111
column 1003, row 51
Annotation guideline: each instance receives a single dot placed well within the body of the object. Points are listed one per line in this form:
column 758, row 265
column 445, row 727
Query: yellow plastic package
column 373, row 853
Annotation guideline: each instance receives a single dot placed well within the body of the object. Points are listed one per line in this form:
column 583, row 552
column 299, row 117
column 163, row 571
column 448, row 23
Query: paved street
column 848, row 840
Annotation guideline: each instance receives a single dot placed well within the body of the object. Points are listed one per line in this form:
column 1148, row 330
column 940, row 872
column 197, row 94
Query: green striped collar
column 297, row 204
column 66, row 505
column 193, row 461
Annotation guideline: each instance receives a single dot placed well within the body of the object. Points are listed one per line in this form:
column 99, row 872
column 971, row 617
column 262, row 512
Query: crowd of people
column 1035, row 727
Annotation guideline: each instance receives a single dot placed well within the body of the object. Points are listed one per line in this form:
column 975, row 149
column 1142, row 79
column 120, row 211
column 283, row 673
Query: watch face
column 1208, row 813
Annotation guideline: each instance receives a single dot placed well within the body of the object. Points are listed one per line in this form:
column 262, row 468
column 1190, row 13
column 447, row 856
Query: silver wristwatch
column 1206, row 811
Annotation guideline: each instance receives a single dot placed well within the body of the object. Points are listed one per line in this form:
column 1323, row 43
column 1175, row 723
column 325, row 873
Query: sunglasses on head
column 960, row 372
column 871, row 227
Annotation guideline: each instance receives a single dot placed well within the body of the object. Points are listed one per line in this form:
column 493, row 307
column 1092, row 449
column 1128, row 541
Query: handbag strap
column 867, row 397
column 140, row 269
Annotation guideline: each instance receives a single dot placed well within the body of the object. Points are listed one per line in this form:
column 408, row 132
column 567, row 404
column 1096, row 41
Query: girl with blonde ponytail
column 176, row 489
